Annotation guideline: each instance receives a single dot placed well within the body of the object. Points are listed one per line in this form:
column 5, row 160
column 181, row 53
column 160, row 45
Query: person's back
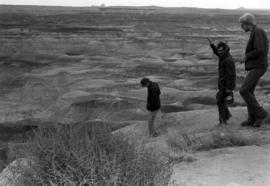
column 153, row 100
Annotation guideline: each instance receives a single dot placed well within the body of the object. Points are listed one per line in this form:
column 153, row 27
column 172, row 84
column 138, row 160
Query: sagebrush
column 88, row 154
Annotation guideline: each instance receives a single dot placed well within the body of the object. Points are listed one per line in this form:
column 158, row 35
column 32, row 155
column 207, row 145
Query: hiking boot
column 153, row 134
column 222, row 122
column 259, row 121
column 228, row 117
column 247, row 123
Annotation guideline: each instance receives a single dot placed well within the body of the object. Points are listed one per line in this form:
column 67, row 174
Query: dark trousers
column 224, row 113
column 247, row 92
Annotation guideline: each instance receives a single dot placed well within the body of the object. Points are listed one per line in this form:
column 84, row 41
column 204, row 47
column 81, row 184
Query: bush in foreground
column 88, row 154
column 211, row 140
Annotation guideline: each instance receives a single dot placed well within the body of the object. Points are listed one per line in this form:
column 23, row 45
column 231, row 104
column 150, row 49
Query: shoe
column 227, row 118
column 258, row 122
column 222, row 122
column 153, row 134
column 247, row 123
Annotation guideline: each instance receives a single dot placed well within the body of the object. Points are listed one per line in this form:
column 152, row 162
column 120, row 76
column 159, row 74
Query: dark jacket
column 153, row 100
column 257, row 50
column 226, row 71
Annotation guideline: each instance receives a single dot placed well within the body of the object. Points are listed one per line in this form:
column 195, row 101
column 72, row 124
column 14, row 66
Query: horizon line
column 239, row 8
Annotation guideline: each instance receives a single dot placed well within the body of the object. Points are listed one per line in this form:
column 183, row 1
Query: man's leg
column 222, row 108
column 251, row 112
column 228, row 114
column 152, row 116
column 247, row 92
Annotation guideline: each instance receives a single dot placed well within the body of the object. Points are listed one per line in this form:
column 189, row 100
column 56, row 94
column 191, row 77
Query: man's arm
column 213, row 46
column 158, row 90
column 230, row 75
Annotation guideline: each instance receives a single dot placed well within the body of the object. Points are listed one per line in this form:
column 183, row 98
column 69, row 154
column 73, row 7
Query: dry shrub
column 208, row 141
column 88, row 154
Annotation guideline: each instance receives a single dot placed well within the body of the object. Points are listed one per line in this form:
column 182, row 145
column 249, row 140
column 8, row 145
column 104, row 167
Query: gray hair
column 248, row 18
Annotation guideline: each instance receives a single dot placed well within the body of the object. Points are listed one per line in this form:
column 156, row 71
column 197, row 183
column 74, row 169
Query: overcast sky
column 231, row 4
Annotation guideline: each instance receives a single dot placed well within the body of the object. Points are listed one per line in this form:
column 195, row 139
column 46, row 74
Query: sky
column 226, row 4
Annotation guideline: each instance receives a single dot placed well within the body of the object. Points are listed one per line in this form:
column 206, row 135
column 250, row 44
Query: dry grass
column 87, row 154
column 207, row 141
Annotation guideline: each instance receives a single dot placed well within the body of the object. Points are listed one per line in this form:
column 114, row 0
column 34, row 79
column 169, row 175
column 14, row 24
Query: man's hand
column 212, row 46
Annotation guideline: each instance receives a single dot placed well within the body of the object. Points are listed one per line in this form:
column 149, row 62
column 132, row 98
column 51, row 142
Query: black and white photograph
column 134, row 93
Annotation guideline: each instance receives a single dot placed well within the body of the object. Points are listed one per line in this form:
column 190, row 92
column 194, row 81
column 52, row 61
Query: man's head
column 222, row 49
column 247, row 21
column 145, row 82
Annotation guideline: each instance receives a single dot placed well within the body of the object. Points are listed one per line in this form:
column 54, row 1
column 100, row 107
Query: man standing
column 256, row 63
column 226, row 79
column 153, row 103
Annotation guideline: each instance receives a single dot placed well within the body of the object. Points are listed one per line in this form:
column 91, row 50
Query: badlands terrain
column 62, row 65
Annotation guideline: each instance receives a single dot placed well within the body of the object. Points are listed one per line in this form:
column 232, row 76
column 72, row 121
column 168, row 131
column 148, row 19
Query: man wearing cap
column 256, row 64
column 153, row 103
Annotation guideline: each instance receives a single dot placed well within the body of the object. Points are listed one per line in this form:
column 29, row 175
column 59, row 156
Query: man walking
column 226, row 79
column 153, row 103
column 256, row 63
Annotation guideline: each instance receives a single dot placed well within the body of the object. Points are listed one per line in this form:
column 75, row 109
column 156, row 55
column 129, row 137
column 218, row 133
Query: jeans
column 247, row 92
column 152, row 116
column 224, row 113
